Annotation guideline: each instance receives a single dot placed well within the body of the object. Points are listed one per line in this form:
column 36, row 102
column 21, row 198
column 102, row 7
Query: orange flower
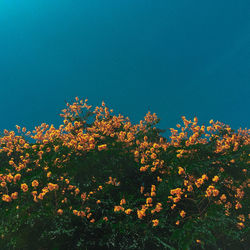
column 83, row 196
column 40, row 196
column 35, row 183
column 153, row 156
column 204, row 177
column 52, row 186
column 9, row 177
column 3, row 184
column 34, row 193
column 141, row 213
column 222, row 170
column 82, row 214
column 208, row 192
column 24, row 187
column 17, row 177
column 159, row 179
column 123, row 201
column 176, row 199
column 136, row 153
column 118, row 208
column 158, row 207
column 153, row 169
column 60, row 211
column 45, row 190
column 6, row 198
column 223, row 198
column 241, row 217
column 238, row 205
column 149, row 200
column 105, row 218
column 181, row 171
column 14, row 195
column 153, row 194
column 240, row 225
column 11, row 162
column 215, row 192
column 199, row 182
column 102, row 147
column 176, row 191
column 155, row 222
column 153, row 188
column 216, row 178
column 182, row 213
column 173, row 206
column 77, row 191
column 128, row 211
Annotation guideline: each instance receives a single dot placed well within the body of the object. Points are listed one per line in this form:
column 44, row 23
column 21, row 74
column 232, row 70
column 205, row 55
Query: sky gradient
column 175, row 58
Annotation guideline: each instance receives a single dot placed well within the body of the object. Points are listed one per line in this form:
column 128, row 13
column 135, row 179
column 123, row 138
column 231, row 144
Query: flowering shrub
column 99, row 182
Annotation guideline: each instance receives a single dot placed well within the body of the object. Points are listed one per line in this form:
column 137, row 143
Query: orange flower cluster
column 178, row 192
column 211, row 191
column 118, row 208
column 6, row 198
column 201, row 180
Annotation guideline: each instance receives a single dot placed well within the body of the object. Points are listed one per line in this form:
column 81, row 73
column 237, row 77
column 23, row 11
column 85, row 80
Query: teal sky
column 175, row 58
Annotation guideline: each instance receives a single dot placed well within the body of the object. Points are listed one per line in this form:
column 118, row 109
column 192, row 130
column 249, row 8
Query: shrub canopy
column 100, row 182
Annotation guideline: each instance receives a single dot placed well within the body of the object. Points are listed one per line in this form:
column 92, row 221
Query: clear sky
column 174, row 57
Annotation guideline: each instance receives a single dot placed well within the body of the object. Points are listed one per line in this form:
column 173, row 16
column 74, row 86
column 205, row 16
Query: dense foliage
column 99, row 182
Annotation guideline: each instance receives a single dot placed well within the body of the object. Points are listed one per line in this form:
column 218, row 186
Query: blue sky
column 175, row 58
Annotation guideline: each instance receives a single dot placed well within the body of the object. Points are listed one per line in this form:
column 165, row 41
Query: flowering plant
column 100, row 182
